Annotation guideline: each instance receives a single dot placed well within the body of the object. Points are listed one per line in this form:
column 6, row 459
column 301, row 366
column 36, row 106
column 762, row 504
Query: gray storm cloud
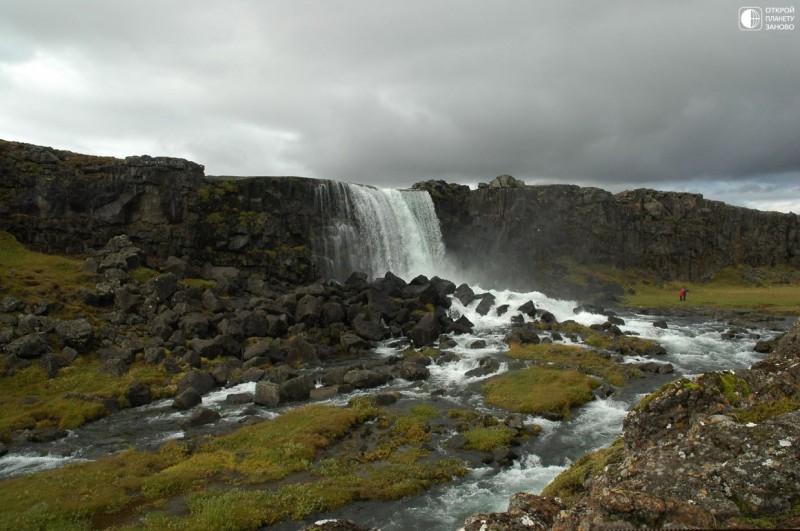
column 613, row 94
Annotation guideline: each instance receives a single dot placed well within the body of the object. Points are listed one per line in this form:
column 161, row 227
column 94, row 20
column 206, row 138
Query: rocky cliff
column 63, row 202
column 523, row 236
column 505, row 234
column 720, row 451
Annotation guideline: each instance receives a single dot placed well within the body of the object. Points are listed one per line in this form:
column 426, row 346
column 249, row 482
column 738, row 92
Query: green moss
column 462, row 414
column 574, row 357
column 569, row 484
column 733, row 388
column 214, row 218
column 33, row 276
column 141, row 275
column 75, row 396
column 424, row 411
column 199, row 283
column 488, row 439
column 766, row 410
column 540, row 391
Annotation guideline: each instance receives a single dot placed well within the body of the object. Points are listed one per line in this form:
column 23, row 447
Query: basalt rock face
column 522, row 236
column 62, row 202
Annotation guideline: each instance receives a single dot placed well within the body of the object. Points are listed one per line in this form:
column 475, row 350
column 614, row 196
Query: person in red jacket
column 682, row 294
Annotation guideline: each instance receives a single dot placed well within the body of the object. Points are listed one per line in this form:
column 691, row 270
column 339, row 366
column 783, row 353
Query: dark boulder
column 77, row 333
column 187, row 399
column 199, row 417
column 28, row 347
column 332, row 312
column 308, row 311
column 161, row 288
column 529, row 309
column 267, row 394
column 297, row 388
column 194, row 324
column 200, row 381
column 464, row 294
column 426, row 331
column 277, row 325
column 138, row 394
column 365, row 378
column 487, row 301
column 370, row 330
column 410, row 370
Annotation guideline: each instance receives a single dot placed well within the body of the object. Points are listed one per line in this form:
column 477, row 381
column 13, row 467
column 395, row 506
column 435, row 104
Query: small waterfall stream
column 376, row 230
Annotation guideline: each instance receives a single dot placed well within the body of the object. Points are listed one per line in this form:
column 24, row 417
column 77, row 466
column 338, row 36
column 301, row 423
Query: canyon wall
column 529, row 235
column 504, row 234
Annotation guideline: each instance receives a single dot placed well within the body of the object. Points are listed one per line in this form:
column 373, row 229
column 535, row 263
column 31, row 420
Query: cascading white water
column 376, row 230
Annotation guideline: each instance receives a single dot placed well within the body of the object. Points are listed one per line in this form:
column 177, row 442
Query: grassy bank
column 257, row 475
column 770, row 289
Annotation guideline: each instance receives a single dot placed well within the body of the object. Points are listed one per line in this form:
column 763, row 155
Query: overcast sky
column 618, row 94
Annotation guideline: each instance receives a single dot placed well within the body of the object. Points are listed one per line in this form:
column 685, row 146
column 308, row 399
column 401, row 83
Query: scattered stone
column 267, row 394
column 199, row 417
column 187, row 399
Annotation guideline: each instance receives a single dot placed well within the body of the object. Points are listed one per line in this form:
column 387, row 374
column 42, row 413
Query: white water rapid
column 377, row 230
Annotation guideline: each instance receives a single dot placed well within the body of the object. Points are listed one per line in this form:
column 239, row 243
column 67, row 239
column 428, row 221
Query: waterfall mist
column 376, row 230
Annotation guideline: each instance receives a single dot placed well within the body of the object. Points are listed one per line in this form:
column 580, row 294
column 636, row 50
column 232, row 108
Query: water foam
column 377, row 230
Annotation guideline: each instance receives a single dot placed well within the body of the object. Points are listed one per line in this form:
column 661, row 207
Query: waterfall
column 375, row 230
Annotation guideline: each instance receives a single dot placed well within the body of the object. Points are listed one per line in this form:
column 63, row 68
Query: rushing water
column 376, row 230
column 379, row 230
column 692, row 347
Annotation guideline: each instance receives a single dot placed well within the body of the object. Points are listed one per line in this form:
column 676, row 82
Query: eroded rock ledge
column 719, row 451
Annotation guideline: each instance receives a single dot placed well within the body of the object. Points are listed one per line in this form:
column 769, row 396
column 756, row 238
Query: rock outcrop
column 717, row 451
column 66, row 203
column 503, row 234
column 526, row 236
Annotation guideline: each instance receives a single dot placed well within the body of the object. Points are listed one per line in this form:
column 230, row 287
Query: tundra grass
column 255, row 476
column 29, row 399
column 540, row 391
column 489, row 438
column 574, row 357
column 33, row 276
column 569, row 484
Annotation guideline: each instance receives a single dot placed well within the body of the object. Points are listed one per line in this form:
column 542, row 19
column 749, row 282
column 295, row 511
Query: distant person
column 682, row 294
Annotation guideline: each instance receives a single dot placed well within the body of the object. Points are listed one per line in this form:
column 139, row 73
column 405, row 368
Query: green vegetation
column 255, row 476
column 32, row 276
column 540, row 391
column 490, row 438
column 214, row 218
column 141, row 275
column 199, row 283
column 625, row 345
column 734, row 389
column 28, row 399
column 680, row 383
column 569, row 483
column 772, row 289
column 766, row 410
column 574, row 357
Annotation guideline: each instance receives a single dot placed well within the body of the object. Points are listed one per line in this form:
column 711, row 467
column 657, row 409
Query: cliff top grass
column 540, row 391
column 77, row 395
column 33, row 276
column 255, row 476
column 770, row 289
column 577, row 358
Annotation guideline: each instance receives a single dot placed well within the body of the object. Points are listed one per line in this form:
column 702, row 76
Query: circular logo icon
column 750, row 18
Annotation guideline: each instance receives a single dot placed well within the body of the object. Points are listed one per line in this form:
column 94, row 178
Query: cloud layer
column 621, row 94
